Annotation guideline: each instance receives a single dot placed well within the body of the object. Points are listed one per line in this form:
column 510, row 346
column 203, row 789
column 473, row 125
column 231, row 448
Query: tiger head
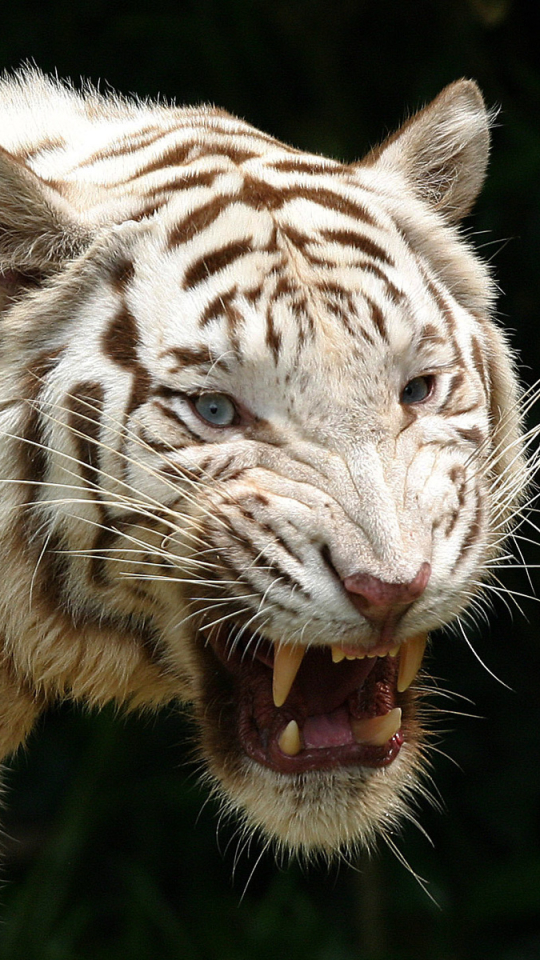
column 260, row 436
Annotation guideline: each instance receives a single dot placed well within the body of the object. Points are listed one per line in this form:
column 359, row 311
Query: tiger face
column 267, row 442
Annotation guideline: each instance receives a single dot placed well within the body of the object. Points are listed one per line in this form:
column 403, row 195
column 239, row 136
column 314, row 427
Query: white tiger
column 259, row 436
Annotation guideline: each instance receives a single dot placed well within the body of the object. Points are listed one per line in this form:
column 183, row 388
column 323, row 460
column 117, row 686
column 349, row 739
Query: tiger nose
column 376, row 599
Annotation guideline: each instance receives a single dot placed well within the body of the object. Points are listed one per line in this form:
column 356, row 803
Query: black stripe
column 212, row 263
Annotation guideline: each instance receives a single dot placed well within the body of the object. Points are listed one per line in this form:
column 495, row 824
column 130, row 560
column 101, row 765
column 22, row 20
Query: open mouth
column 298, row 708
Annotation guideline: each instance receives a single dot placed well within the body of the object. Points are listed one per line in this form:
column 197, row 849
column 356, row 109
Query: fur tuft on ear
column 442, row 151
column 38, row 229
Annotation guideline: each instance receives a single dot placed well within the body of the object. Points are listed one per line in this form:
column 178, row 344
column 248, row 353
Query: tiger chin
column 259, row 436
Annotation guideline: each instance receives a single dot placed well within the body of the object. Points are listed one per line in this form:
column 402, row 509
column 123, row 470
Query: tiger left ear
column 38, row 229
column 442, row 151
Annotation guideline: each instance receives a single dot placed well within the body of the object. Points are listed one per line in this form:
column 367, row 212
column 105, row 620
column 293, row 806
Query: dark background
column 107, row 854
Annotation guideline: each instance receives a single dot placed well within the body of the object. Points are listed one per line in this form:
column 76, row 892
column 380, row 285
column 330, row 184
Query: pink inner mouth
column 325, row 697
column 328, row 730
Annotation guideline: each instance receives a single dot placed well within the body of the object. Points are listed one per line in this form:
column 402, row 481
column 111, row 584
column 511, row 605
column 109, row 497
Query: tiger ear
column 38, row 229
column 442, row 151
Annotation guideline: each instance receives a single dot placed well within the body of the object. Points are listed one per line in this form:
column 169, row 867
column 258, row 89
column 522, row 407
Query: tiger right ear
column 39, row 230
column 442, row 151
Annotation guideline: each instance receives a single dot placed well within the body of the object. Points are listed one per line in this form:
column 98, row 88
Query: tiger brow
column 190, row 356
column 455, row 360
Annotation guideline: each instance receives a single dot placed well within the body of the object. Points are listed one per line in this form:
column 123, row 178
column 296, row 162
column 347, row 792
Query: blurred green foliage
column 107, row 852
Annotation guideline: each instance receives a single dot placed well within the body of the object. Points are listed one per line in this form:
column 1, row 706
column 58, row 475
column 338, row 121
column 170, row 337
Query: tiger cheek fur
column 259, row 437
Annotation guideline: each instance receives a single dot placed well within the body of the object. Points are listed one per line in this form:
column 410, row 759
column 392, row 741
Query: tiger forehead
column 247, row 306
column 281, row 324
column 276, row 211
column 226, row 259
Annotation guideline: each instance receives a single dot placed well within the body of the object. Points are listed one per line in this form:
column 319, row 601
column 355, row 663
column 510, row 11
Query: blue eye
column 417, row 390
column 215, row 408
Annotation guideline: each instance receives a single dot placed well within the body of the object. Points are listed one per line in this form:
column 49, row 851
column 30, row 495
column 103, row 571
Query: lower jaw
column 264, row 748
column 326, row 758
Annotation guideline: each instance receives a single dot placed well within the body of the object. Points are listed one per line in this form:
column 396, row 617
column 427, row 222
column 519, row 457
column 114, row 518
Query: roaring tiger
column 259, row 436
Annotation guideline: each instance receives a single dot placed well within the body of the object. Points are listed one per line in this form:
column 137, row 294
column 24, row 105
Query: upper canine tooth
column 287, row 660
column 410, row 658
column 337, row 654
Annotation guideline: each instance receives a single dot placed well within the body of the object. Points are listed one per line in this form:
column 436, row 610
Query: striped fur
column 152, row 255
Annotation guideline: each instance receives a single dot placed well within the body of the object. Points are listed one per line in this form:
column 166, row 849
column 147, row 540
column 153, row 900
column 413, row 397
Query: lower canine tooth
column 287, row 660
column 377, row 731
column 289, row 741
column 410, row 658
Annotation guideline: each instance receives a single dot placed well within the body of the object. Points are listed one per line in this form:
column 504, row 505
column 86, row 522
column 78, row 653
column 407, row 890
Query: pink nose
column 376, row 599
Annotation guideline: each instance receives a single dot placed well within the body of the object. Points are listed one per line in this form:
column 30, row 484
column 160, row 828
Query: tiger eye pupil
column 416, row 390
column 215, row 408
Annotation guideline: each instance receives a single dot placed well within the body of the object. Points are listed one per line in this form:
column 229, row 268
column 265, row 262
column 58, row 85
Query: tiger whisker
column 107, row 553
column 480, row 661
column 122, row 430
column 95, row 485
column 119, row 500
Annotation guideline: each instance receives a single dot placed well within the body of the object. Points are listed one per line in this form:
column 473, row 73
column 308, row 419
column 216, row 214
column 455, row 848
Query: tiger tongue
column 337, row 728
